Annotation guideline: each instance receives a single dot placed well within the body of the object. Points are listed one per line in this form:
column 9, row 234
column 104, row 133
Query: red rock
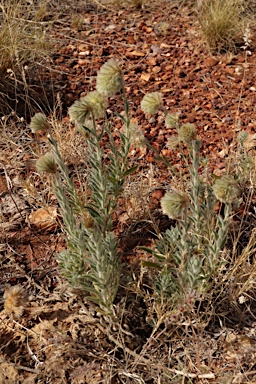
column 211, row 61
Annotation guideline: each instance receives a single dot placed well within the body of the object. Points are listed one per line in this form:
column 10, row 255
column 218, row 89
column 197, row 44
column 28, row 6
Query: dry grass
column 24, row 44
column 221, row 22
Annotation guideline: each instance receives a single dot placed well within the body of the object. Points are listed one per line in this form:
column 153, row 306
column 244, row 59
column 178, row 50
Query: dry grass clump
column 137, row 4
column 221, row 22
column 24, row 43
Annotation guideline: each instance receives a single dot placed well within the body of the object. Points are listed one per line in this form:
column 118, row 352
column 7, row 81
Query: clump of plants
column 221, row 23
column 190, row 258
column 91, row 262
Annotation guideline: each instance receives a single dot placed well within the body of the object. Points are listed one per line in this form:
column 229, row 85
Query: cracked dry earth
column 60, row 338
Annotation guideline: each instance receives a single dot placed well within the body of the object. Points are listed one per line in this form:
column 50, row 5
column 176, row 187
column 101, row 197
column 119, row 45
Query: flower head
column 173, row 203
column 171, row 121
column 151, row 103
column 109, row 79
column 226, row 189
column 15, row 301
column 137, row 138
column 46, row 163
column 94, row 102
column 173, row 142
column 39, row 123
column 79, row 111
column 187, row 132
column 97, row 102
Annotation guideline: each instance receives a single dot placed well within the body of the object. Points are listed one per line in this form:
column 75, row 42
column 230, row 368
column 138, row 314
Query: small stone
column 211, row 61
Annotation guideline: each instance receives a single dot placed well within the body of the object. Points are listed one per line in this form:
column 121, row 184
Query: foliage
column 187, row 257
column 91, row 262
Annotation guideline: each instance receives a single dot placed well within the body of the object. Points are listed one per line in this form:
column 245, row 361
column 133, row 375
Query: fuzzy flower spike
column 15, row 301
column 151, row 103
column 187, row 132
column 226, row 189
column 39, row 123
column 46, row 163
column 173, row 203
column 109, row 79
column 171, row 121
column 136, row 135
column 94, row 102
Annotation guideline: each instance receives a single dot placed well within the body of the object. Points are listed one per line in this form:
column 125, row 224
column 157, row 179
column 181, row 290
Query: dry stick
column 34, row 21
column 29, row 330
column 149, row 362
column 9, row 186
column 102, row 5
column 21, row 367
column 120, row 43
column 248, row 373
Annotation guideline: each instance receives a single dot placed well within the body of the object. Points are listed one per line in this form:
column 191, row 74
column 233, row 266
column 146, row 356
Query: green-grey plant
column 187, row 256
column 91, row 261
